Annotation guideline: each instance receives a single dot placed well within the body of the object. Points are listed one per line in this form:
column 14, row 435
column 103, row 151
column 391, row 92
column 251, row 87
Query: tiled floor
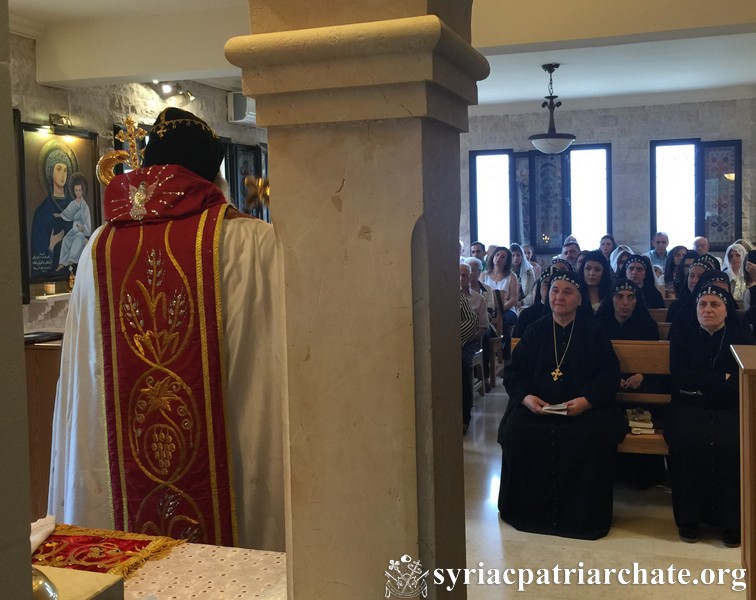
column 643, row 532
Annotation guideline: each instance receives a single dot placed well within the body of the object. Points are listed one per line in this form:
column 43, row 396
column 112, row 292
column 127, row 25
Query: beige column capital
column 410, row 67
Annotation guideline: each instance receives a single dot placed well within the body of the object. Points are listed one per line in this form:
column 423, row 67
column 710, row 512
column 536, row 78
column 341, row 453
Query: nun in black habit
column 558, row 469
column 624, row 316
column 702, row 428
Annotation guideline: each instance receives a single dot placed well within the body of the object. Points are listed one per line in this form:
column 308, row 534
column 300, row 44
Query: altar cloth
column 100, row 551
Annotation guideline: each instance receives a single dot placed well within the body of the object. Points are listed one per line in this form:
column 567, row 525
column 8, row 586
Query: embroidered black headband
column 622, row 285
column 545, row 274
column 713, row 290
column 568, row 276
column 707, row 261
column 558, row 260
column 635, row 258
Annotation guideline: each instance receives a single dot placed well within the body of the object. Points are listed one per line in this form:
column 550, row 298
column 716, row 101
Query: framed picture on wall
column 59, row 200
column 247, row 162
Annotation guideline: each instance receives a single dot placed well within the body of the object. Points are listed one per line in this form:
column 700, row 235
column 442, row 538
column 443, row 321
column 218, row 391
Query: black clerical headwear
column 713, row 290
column 569, row 276
column 561, row 261
column 707, row 261
column 180, row 138
column 624, row 285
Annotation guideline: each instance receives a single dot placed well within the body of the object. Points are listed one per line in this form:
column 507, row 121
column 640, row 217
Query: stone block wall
column 97, row 108
column 629, row 131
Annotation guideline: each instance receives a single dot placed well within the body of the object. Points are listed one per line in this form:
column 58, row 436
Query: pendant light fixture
column 551, row 142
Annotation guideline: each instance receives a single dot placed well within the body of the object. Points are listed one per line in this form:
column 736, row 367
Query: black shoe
column 689, row 533
column 731, row 538
column 465, row 428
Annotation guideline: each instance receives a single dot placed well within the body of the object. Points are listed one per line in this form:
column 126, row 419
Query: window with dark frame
column 527, row 197
column 696, row 190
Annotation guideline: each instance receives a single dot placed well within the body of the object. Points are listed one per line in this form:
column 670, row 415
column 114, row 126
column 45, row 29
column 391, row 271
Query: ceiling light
column 551, row 142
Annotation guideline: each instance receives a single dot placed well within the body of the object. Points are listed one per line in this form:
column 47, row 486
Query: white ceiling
column 694, row 69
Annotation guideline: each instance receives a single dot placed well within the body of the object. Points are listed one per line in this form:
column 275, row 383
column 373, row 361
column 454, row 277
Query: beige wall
column 497, row 24
column 629, row 131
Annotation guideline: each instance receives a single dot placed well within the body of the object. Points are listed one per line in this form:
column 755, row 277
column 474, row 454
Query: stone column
column 364, row 103
column 15, row 553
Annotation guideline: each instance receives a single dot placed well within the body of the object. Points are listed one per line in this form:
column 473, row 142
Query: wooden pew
column 659, row 314
column 649, row 358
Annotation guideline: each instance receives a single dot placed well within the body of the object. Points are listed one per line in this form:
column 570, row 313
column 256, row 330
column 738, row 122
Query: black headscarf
column 607, row 304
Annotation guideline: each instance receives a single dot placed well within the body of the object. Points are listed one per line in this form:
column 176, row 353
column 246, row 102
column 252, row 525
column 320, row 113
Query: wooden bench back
column 659, row 314
column 649, row 358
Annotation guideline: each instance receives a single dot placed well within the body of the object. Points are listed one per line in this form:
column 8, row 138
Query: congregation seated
column 558, row 470
column 702, row 429
column 638, row 270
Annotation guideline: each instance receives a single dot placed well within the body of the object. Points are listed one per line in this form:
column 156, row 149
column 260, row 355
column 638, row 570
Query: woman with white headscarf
column 526, row 277
column 617, row 260
column 734, row 266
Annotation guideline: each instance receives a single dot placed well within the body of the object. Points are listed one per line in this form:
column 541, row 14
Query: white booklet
column 556, row 409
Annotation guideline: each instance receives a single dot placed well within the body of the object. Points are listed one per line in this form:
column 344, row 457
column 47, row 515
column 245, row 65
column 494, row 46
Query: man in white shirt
column 658, row 255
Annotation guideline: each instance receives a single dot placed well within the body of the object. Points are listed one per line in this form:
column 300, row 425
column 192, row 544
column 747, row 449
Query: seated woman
column 525, row 273
column 558, row 469
column 734, row 266
column 503, row 282
column 607, row 246
column 596, row 276
column 617, row 260
column 639, row 271
column 702, row 429
column 624, row 316
column 673, row 270
column 530, row 255
column 686, row 312
column 580, row 260
column 561, row 264
column 540, row 305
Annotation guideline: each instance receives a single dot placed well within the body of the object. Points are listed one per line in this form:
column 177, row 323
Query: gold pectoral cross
column 556, row 373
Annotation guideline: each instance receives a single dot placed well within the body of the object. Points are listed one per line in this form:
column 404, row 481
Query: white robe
column 255, row 392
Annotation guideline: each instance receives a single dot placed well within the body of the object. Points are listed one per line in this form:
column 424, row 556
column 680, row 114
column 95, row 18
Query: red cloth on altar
column 157, row 269
column 99, row 550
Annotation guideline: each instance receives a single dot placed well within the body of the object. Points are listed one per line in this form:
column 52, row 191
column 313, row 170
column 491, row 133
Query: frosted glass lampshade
column 552, row 143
